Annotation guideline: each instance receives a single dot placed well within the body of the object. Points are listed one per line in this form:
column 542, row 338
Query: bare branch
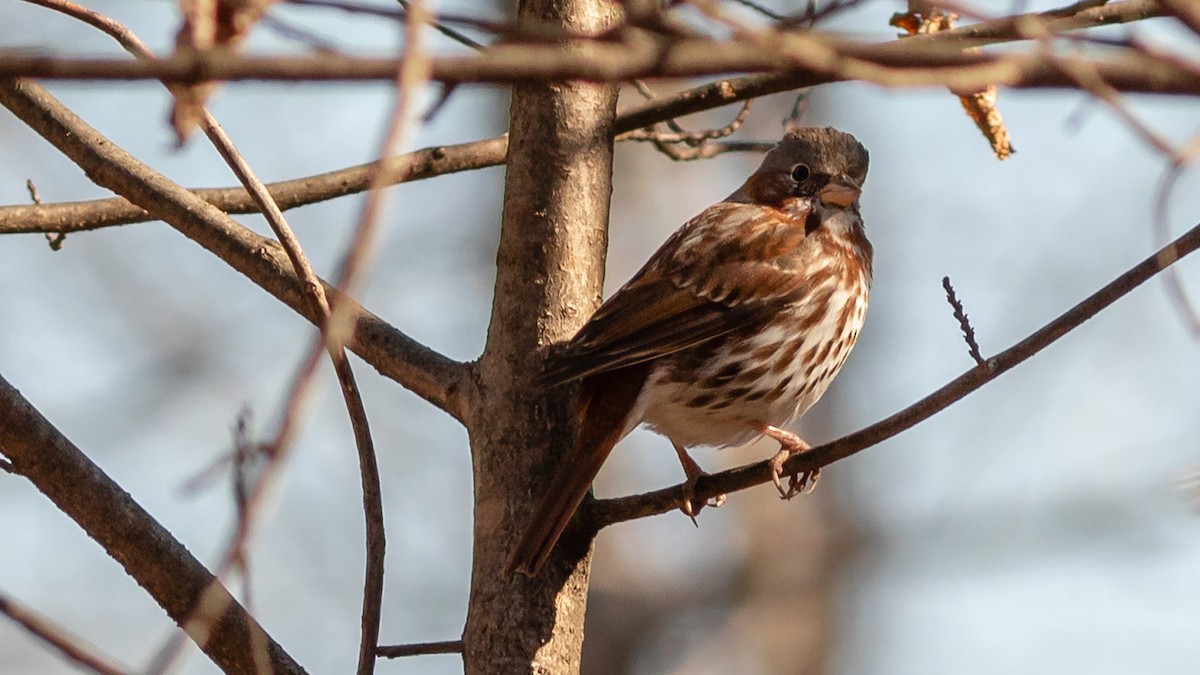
column 429, row 162
column 420, row 649
column 799, row 60
column 441, row 381
column 605, row 512
column 1000, row 30
column 147, row 551
column 289, row 194
column 790, row 55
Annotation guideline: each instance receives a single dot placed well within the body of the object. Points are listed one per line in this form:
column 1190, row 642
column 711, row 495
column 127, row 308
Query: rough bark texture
column 549, row 275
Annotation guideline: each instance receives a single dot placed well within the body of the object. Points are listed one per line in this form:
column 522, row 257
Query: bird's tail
column 606, row 402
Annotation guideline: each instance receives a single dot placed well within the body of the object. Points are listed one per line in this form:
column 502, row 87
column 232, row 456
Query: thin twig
column 963, row 322
column 440, row 27
column 301, row 34
column 250, row 497
column 410, row 80
column 1175, row 289
column 401, row 15
column 606, row 512
column 420, row 649
column 697, row 141
column 55, row 240
column 72, row 648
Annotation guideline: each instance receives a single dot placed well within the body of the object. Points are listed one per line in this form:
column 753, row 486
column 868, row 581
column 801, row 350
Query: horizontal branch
column 429, row 162
column 1007, row 29
column 157, row 561
column 418, row 368
column 97, row 213
column 420, row 649
column 939, row 60
column 608, row 511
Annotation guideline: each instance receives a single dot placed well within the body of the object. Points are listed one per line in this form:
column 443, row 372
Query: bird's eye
column 800, row 173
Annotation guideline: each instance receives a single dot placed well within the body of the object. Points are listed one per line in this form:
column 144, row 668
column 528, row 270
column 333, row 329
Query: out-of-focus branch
column 1187, row 11
column 147, row 551
column 796, row 58
column 429, row 162
column 71, row 647
column 608, row 511
column 931, row 61
column 729, row 91
column 439, row 380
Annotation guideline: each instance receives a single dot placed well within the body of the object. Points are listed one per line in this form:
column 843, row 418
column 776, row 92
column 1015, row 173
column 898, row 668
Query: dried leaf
column 208, row 25
column 980, row 105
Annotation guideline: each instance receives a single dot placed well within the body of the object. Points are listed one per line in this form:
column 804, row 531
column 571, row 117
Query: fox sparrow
column 733, row 328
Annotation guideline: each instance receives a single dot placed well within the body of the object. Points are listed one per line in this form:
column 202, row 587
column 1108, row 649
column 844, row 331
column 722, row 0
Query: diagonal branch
column 147, row 551
column 435, row 378
column 72, row 648
column 608, row 511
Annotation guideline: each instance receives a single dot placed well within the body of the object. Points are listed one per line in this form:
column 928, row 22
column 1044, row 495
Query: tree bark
column 550, row 266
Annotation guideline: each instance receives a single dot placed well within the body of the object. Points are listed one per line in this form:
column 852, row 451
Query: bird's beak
column 837, row 193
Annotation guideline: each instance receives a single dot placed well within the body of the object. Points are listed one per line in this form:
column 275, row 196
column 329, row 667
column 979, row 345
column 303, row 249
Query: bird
column 729, row 332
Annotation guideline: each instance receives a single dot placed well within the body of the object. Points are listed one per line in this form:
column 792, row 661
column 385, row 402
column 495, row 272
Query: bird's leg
column 789, row 444
column 693, row 472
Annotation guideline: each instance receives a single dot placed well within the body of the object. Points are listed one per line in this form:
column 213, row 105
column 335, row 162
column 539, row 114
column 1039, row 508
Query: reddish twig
column 72, row 648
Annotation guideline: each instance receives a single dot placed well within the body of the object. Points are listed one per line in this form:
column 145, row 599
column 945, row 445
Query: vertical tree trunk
column 548, row 281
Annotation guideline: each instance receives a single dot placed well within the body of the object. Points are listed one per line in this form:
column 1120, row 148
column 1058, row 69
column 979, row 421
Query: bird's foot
column 690, row 505
column 803, row 482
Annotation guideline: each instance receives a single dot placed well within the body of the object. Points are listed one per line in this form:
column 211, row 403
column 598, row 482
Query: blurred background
column 1046, row 524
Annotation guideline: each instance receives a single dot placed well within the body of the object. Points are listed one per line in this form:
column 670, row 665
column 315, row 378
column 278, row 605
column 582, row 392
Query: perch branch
column 608, row 511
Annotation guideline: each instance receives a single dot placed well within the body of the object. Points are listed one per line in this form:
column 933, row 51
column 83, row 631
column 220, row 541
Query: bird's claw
column 803, row 482
column 690, row 505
